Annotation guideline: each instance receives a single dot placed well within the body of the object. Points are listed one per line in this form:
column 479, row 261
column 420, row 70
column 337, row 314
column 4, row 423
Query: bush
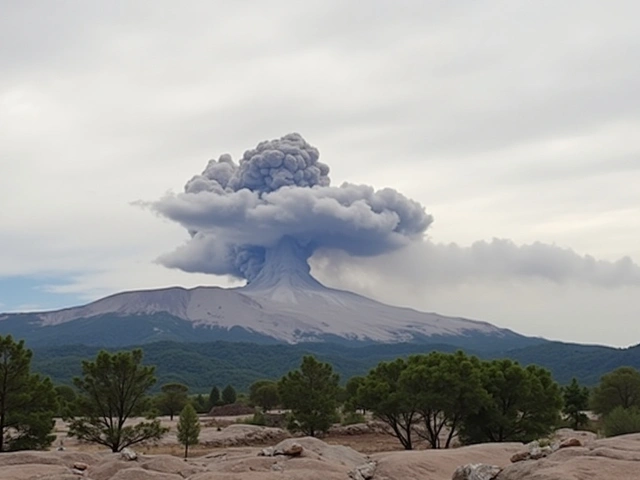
column 257, row 419
column 621, row 421
column 590, row 426
column 351, row 418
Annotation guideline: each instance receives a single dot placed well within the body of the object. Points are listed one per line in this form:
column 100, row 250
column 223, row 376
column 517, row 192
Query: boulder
column 476, row 471
column 267, row 452
column 520, row 457
column 128, row 455
column 605, row 459
column 80, row 466
column 440, row 464
column 569, row 442
column 317, row 449
column 363, row 472
column 290, row 449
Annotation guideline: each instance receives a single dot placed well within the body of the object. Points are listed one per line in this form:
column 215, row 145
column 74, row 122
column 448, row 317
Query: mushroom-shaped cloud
column 279, row 191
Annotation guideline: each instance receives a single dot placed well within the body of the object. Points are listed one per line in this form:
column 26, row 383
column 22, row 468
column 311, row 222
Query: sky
column 513, row 123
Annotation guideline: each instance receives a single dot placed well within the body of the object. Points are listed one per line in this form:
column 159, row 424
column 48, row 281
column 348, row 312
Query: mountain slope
column 284, row 303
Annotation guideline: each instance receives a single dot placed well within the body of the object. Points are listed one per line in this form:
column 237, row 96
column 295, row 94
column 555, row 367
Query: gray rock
column 291, row 450
column 363, row 472
column 476, row 471
column 266, row 452
column 128, row 454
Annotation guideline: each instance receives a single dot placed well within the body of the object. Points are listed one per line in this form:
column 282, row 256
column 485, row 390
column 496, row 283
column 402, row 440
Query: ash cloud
column 234, row 212
column 428, row 263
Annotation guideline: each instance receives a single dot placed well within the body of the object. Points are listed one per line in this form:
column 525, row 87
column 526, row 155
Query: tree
column 188, row 428
column 380, row 393
column 576, row 401
column 27, row 401
column 173, row 398
column 214, row 397
column 228, row 395
column 264, row 393
column 524, row 404
column 446, row 389
column 66, row 397
column 310, row 393
column 113, row 389
column 199, row 403
column 351, row 403
column 620, row 388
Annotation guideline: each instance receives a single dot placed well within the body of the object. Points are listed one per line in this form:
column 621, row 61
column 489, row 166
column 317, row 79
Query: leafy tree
column 576, row 401
column 229, row 395
column 446, row 389
column 310, row 393
column 524, row 404
column 264, row 393
column 173, row 398
column 214, row 397
column 27, row 401
column 380, row 393
column 188, row 428
column 620, row 388
column 113, row 389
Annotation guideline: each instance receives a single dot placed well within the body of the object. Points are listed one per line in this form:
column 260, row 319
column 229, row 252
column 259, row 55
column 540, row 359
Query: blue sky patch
column 27, row 293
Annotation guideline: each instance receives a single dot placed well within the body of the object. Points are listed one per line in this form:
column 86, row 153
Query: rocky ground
column 257, row 453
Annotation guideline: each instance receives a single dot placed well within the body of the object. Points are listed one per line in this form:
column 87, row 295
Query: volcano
column 283, row 303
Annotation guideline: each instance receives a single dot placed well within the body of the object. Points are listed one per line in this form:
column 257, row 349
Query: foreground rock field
column 271, row 458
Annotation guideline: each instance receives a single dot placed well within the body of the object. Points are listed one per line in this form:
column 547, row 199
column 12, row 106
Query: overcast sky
column 515, row 124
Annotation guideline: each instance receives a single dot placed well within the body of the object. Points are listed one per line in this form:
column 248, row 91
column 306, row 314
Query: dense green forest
column 201, row 365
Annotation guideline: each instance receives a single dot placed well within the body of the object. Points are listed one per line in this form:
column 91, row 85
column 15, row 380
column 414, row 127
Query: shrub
column 351, row 418
column 257, row 419
column 621, row 421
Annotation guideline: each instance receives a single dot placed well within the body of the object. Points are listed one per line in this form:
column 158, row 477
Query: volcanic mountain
column 282, row 304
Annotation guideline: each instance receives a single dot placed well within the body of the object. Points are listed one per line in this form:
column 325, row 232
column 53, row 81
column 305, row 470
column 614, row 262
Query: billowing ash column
column 285, row 264
column 263, row 218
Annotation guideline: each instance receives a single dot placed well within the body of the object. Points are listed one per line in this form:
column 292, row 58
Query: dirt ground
column 365, row 443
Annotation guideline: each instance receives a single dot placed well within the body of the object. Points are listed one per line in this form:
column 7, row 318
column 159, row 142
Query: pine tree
column 214, row 397
column 311, row 394
column 113, row 389
column 229, row 395
column 188, row 428
column 576, row 400
column 27, row 401
column 173, row 398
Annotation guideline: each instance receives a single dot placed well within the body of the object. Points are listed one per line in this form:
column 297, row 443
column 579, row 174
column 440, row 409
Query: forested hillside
column 201, row 365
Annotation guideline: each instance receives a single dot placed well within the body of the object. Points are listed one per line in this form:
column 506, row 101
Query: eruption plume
column 267, row 214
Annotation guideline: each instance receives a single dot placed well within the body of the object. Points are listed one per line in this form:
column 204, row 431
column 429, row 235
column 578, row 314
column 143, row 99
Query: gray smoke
column 428, row 263
column 235, row 212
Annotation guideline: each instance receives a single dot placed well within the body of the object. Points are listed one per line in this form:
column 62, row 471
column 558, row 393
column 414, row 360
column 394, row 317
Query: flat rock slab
column 604, row 459
column 441, row 464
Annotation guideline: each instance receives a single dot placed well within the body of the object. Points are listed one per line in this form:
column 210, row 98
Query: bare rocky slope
column 284, row 303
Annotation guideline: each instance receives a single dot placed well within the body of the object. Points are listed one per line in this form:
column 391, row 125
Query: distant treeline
column 200, row 365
